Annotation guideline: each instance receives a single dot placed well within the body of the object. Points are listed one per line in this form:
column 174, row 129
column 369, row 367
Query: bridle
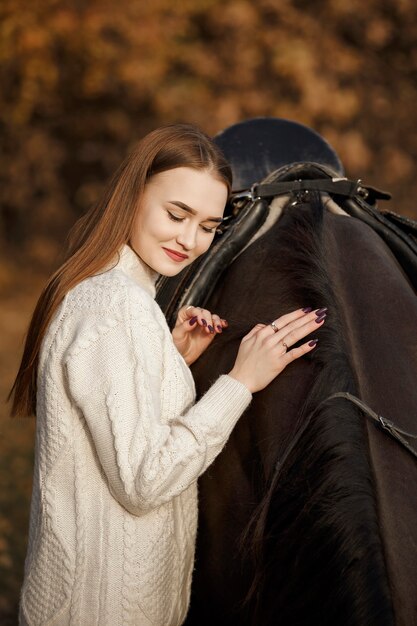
column 387, row 425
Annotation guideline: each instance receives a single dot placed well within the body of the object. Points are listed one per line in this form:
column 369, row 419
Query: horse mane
column 321, row 489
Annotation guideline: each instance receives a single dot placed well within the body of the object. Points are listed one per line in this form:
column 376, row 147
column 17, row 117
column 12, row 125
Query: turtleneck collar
column 132, row 265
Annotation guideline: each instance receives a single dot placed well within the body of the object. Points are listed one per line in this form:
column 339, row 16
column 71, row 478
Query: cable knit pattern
column 120, row 444
column 80, row 477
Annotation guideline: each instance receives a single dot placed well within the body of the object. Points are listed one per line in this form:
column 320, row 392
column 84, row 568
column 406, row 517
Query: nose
column 187, row 237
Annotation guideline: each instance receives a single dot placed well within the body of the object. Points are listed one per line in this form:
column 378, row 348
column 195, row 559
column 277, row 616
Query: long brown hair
column 96, row 237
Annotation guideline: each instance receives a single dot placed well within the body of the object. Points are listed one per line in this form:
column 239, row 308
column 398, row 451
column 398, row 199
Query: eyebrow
column 183, row 206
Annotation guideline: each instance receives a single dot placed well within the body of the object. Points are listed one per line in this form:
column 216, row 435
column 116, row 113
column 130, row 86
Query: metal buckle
column 361, row 190
column 300, row 195
column 247, row 194
column 387, row 424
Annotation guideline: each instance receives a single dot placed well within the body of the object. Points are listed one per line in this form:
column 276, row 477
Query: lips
column 175, row 256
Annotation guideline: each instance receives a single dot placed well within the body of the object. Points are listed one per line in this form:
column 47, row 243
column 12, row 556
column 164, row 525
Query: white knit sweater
column 120, row 445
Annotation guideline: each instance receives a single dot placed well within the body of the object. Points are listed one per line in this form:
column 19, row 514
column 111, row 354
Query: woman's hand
column 264, row 352
column 194, row 331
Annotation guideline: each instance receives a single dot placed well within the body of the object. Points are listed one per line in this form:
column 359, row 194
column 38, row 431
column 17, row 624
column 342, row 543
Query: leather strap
column 395, row 432
column 338, row 186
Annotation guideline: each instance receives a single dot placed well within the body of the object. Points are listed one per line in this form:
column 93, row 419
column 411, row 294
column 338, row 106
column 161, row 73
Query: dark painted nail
column 204, row 322
column 220, row 329
column 319, row 312
column 313, row 342
column 320, row 318
column 193, row 320
column 211, row 329
column 307, row 309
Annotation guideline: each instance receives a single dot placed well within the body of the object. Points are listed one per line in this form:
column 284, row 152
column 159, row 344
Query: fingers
column 300, row 331
column 253, row 332
column 218, row 323
column 292, row 327
column 211, row 323
column 298, row 314
column 297, row 318
column 298, row 328
column 267, row 332
column 295, row 353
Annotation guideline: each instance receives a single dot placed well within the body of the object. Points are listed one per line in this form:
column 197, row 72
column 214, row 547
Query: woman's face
column 177, row 218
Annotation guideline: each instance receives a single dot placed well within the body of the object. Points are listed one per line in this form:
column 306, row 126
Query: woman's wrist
column 240, row 378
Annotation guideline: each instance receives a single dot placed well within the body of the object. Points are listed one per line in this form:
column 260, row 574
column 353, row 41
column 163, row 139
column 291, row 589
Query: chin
column 171, row 268
column 172, row 271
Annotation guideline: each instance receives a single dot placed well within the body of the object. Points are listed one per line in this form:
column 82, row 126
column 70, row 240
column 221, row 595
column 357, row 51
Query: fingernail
column 307, row 309
column 320, row 318
column 226, row 323
column 220, row 329
column 211, row 329
column 319, row 312
column 313, row 342
column 203, row 321
column 193, row 320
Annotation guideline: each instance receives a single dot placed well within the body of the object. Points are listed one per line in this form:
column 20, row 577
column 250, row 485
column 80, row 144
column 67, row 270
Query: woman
column 120, row 440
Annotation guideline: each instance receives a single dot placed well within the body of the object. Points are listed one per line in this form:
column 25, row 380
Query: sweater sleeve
column 117, row 384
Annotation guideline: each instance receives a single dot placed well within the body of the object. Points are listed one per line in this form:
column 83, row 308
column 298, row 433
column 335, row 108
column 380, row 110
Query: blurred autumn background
column 81, row 81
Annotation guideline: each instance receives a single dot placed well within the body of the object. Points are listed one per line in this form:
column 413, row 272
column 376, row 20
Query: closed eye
column 175, row 218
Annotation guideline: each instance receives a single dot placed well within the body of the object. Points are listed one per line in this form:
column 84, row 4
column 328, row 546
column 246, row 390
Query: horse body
column 380, row 322
column 309, row 514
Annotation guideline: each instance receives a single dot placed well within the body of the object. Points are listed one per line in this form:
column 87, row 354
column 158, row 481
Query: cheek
column 204, row 243
column 156, row 228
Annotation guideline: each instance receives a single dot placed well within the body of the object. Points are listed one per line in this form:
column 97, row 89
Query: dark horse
column 309, row 516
